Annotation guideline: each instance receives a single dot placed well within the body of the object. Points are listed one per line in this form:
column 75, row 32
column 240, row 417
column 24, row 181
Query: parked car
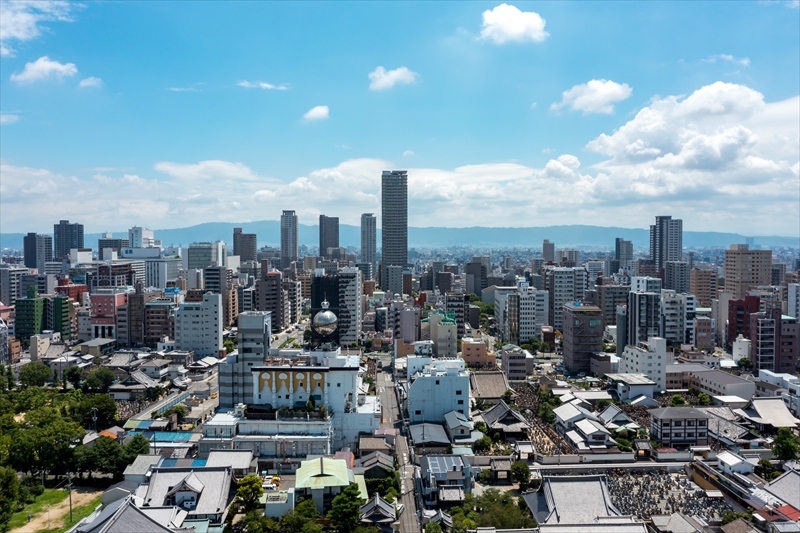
column 400, row 509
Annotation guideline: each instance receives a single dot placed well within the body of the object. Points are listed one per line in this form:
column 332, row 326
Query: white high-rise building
column 677, row 317
column 594, row 268
column 533, row 312
column 645, row 284
column 793, row 297
column 236, row 379
column 10, row 284
column 158, row 271
column 198, row 326
column 565, row 285
column 142, row 238
column 350, row 312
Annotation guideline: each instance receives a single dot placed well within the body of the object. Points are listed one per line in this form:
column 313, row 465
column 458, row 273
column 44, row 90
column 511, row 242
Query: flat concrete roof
column 631, row 379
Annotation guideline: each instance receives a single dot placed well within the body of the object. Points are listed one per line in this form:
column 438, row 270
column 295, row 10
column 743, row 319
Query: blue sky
column 523, row 114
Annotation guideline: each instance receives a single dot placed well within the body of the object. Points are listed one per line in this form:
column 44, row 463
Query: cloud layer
column 20, row 21
column 721, row 158
column 507, row 23
column 596, row 96
column 262, row 85
column 380, row 78
column 42, row 69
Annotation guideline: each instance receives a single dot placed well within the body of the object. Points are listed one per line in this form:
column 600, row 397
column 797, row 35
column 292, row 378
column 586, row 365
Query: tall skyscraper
column 65, row 237
column 288, row 238
column 548, row 251
column 666, row 240
column 394, row 219
column 623, row 251
column 328, row 234
column 745, row 268
column 369, row 241
column 244, row 245
column 38, row 250
column 676, row 276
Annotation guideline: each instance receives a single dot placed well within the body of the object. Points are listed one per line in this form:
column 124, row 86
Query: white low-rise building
column 649, row 358
column 436, row 389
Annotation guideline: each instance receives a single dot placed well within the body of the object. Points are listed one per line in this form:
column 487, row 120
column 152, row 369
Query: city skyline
column 513, row 121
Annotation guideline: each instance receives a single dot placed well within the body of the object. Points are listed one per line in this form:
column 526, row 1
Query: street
column 409, row 521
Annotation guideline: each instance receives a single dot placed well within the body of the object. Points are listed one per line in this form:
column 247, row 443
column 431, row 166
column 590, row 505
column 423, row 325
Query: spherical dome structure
column 325, row 322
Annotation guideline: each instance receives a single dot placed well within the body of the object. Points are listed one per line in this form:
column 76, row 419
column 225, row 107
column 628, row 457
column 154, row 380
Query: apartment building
column 648, row 358
column 516, row 362
column 198, row 326
column 583, row 335
column 745, row 268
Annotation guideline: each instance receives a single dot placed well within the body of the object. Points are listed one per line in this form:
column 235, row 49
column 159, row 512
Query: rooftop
column 631, row 379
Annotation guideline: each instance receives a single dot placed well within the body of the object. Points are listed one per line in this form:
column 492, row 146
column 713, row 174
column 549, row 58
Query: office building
column 793, row 300
column 350, row 301
column 159, row 320
column 439, row 387
column 458, row 304
column 568, row 257
column 645, row 284
column 139, row 237
column 565, row 285
column 745, row 268
column 477, row 273
column 108, row 242
column 293, row 291
column 648, row 358
column 270, row 297
column 666, row 240
column 10, row 283
column 369, row 232
column 583, row 335
column 678, row 312
column 205, row 254
column 198, row 326
column 548, row 251
column 643, row 317
column 328, row 234
column 608, row 298
column 394, row 224
column 676, row 276
column 66, row 236
column 516, row 363
column 703, row 284
column 392, row 279
column 161, row 270
column 38, row 250
column 623, row 252
column 289, row 239
column 245, row 245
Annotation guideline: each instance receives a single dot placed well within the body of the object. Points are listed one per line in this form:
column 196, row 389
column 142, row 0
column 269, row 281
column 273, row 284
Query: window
column 458, row 393
column 460, row 402
column 437, row 381
column 417, row 412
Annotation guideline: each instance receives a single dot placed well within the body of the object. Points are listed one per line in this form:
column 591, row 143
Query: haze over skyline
column 531, row 114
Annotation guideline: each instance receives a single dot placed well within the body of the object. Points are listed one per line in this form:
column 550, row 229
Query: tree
column 73, row 375
column 677, row 401
column 100, row 406
column 520, row 472
column 34, row 375
column 304, row 513
column 483, row 444
column 433, row 527
column 345, row 509
column 100, row 379
column 249, row 492
column 786, row 445
column 703, row 399
column 106, row 456
column 745, row 363
column 9, row 491
column 10, row 377
column 500, row 510
column 228, row 345
column 138, row 445
column 507, row 395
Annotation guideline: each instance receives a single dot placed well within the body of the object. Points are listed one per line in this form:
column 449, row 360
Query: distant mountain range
column 268, row 232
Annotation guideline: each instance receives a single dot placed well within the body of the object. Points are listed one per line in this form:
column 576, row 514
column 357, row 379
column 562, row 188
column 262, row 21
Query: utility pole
column 70, row 497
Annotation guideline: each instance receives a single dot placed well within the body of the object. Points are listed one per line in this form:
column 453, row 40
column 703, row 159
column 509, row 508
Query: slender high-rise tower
column 548, row 251
column 666, row 240
column 394, row 219
column 369, row 242
column 288, row 238
column 328, row 234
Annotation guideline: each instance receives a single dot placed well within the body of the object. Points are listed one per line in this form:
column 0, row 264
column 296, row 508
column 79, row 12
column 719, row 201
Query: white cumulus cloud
column 91, row 81
column 317, row 113
column 8, row 119
column 596, row 96
column 507, row 23
column 44, row 68
column 20, row 20
column 262, row 85
column 408, row 153
column 380, row 78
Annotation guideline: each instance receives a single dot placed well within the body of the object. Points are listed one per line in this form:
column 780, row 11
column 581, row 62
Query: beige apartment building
column 745, row 268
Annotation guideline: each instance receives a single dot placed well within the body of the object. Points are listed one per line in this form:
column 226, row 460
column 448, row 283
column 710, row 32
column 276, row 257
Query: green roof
column 323, row 472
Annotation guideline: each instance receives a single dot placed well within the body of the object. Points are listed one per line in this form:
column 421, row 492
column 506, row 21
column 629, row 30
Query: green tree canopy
column 500, row 510
column 745, row 363
column 345, row 509
column 100, row 379
column 677, row 401
column 138, row 445
column 483, row 444
column 106, row 456
column 9, row 490
column 229, row 345
column 520, row 472
column 786, row 445
column 34, row 375
column 249, row 492
column 703, row 399
column 433, row 527
column 101, row 406
column 73, row 375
